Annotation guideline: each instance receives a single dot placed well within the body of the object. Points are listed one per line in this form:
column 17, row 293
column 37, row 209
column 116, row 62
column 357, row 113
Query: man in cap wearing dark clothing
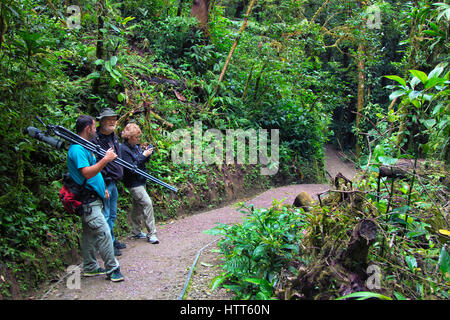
column 106, row 138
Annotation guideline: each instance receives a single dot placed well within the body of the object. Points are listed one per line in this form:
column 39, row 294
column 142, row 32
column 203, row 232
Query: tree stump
column 354, row 258
column 345, row 270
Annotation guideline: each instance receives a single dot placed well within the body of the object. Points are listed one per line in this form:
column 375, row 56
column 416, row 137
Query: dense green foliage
column 295, row 69
column 411, row 211
column 256, row 250
column 272, row 246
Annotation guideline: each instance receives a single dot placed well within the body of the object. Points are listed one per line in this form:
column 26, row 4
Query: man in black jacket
column 113, row 172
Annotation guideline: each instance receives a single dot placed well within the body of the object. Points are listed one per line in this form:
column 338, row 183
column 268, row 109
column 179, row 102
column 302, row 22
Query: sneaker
column 140, row 235
column 119, row 245
column 115, row 276
column 153, row 239
column 117, row 252
column 97, row 272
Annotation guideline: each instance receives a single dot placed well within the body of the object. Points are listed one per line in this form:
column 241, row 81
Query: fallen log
column 162, row 80
column 405, row 167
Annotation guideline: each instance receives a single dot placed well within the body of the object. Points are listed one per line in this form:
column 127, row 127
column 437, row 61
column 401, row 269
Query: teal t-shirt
column 79, row 157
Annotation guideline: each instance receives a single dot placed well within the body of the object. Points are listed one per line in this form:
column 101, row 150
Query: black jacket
column 112, row 171
column 134, row 156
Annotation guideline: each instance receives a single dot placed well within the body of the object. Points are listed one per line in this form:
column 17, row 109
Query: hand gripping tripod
column 76, row 139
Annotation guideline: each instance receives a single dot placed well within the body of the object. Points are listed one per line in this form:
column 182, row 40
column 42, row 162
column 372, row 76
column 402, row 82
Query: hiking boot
column 153, row 239
column 140, row 235
column 115, row 276
column 117, row 252
column 119, row 245
column 97, row 272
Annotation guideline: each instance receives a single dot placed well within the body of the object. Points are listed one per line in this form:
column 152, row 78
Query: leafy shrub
column 255, row 251
column 178, row 42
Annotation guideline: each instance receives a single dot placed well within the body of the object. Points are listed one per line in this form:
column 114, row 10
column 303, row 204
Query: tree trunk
column 360, row 97
column 99, row 52
column 180, row 8
column 200, row 10
column 2, row 28
column 318, row 11
column 361, row 81
column 241, row 30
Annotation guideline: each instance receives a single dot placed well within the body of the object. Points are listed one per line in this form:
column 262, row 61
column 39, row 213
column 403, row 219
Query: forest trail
column 159, row 272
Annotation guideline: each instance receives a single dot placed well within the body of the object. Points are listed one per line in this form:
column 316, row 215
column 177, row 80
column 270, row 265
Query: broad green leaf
column 115, row 78
column 444, row 261
column 124, row 21
column 414, row 82
column 378, row 151
column 411, row 262
column 113, row 61
column 414, row 94
column 117, row 73
column 262, row 296
column 415, row 234
column 387, row 160
column 257, row 281
column 234, row 287
column 259, row 251
column 436, row 72
column 396, row 94
column 432, row 82
column 434, row 26
column 94, row 75
column 445, row 10
column 363, row 295
column 290, row 246
column 265, row 285
column 114, row 28
column 398, row 79
column 121, row 97
column 428, row 123
column 431, row 33
column 399, row 296
column 108, row 66
column 416, row 103
column 420, row 75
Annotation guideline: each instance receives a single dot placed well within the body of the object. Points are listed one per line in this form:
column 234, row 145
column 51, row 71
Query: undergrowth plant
column 255, row 251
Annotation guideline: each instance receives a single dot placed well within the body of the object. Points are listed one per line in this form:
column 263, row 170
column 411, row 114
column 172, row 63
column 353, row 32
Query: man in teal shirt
column 96, row 234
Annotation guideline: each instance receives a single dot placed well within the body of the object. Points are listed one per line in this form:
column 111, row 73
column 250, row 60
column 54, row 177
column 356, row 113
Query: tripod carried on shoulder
column 76, row 139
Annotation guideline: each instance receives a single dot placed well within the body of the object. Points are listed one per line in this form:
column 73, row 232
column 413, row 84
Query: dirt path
column 160, row 271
